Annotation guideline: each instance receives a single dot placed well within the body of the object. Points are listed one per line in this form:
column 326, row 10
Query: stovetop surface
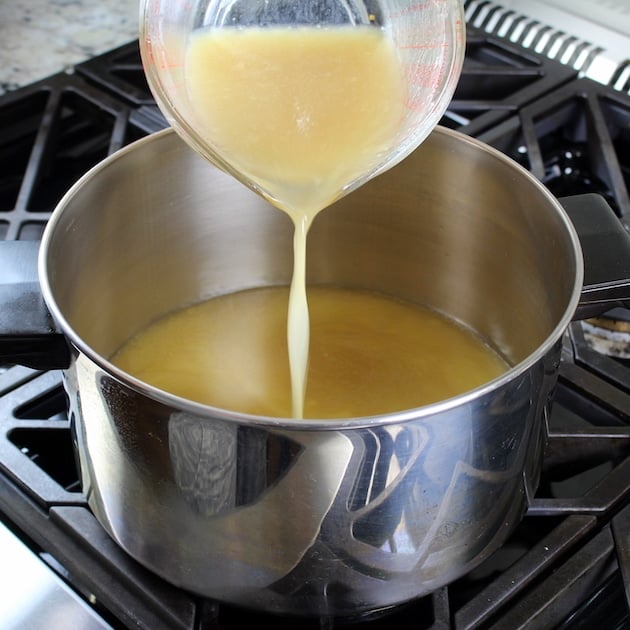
column 566, row 566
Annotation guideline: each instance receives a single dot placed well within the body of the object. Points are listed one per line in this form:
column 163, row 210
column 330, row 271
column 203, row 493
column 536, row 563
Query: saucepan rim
column 312, row 424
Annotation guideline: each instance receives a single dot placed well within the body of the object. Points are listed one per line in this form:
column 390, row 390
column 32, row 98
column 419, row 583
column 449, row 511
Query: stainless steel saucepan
column 314, row 517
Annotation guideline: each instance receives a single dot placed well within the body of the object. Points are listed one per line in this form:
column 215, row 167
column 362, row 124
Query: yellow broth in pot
column 370, row 354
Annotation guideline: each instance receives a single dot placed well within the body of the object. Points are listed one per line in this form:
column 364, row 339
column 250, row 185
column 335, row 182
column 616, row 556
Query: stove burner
column 574, row 140
column 568, row 170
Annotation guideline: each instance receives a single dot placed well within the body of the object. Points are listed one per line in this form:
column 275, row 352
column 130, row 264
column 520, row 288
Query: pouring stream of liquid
column 298, row 323
column 302, row 113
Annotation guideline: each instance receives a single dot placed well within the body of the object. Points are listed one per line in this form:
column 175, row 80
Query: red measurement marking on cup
column 426, row 75
column 158, row 56
column 413, row 8
column 423, row 80
column 423, row 40
column 430, row 46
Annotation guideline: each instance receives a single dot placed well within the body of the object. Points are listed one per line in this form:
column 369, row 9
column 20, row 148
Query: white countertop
column 42, row 37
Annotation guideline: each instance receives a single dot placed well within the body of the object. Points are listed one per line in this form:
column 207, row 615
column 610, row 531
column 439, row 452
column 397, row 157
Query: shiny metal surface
column 591, row 37
column 311, row 517
column 33, row 597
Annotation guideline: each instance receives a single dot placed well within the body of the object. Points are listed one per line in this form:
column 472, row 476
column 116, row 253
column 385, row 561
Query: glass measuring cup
column 302, row 101
column 427, row 37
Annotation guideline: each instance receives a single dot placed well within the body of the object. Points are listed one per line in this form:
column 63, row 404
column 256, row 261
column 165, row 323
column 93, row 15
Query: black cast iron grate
column 496, row 80
column 51, row 133
column 575, row 140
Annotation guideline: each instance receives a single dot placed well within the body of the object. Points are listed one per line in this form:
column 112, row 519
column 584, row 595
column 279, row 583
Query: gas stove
column 566, row 566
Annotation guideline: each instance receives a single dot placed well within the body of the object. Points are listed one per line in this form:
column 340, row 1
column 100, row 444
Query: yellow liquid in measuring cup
column 302, row 112
column 370, row 354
